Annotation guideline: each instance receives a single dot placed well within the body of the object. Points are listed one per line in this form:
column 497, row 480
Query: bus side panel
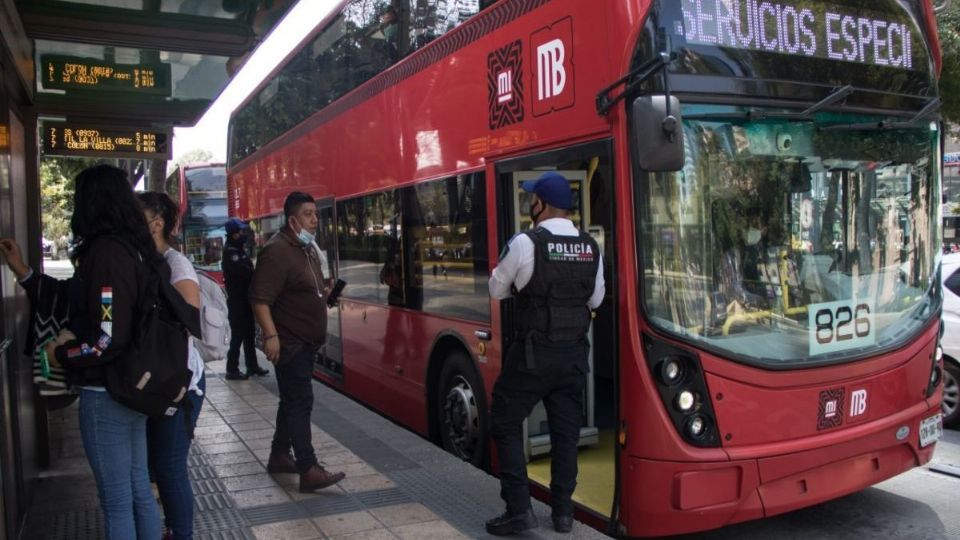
column 386, row 352
column 362, row 339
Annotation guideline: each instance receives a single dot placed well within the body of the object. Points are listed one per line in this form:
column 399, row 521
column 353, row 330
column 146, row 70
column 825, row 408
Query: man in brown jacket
column 287, row 295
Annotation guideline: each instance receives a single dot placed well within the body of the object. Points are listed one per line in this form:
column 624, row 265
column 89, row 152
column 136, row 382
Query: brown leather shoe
column 318, row 478
column 281, row 463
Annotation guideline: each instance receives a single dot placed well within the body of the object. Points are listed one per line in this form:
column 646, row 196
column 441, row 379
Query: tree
column 56, row 193
column 948, row 21
column 197, row 155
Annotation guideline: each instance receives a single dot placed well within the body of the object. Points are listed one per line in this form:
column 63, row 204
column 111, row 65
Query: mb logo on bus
column 553, row 76
column 858, row 402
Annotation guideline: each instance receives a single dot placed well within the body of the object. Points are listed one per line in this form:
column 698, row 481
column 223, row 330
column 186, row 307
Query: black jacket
column 103, row 311
column 237, row 272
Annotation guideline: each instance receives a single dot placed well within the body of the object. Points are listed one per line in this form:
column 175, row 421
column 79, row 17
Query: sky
column 210, row 133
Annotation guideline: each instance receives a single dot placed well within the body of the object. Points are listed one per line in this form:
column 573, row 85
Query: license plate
column 930, row 430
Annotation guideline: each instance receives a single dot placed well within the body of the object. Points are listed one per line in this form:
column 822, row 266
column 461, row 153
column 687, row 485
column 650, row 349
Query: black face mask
column 535, row 215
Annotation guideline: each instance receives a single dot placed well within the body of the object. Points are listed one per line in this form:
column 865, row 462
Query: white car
column 950, row 274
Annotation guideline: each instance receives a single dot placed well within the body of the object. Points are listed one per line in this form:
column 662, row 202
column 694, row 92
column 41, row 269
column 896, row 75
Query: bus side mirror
column 658, row 133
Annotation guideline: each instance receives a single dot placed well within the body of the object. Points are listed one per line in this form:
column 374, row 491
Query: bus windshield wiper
column 837, row 94
column 919, row 120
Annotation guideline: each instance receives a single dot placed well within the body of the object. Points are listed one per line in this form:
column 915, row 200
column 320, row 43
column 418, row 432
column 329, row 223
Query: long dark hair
column 104, row 205
column 163, row 206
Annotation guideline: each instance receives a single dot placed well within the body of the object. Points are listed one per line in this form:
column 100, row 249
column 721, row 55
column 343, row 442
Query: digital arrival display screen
column 76, row 73
column 69, row 139
column 805, row 28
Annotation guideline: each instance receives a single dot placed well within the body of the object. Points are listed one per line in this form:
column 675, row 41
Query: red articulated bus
column 762, row 176
column 201, row 191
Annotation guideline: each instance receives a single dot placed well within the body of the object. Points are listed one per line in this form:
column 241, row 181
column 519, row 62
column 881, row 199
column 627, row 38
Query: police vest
column 553, row 305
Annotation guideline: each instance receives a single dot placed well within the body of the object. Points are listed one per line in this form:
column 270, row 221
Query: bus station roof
column 125, row 62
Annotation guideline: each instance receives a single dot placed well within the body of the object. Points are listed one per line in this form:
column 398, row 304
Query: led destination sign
column 62, row 139
column 75, row 73
column 808, row 28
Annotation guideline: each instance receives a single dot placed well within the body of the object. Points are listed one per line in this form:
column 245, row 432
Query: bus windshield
column 204, row 215
column 207, row 182
column 786, row 243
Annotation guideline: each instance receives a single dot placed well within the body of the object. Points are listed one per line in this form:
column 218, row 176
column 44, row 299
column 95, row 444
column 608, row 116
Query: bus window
column 445, row 234
column 370, row 250
column 757, row 245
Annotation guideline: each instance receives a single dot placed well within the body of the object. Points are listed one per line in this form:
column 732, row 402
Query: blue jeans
column 115, row 440
column 169, row 446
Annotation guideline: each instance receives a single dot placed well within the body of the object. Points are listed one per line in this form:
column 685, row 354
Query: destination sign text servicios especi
column 810, row 28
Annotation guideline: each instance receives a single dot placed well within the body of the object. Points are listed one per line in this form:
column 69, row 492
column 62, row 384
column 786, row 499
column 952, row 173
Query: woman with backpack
column 168, row 437
column 112, row 241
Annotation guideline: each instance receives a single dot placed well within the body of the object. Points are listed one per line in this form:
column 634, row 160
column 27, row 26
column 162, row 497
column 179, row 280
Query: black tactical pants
column 240, row 315
column 557, row 377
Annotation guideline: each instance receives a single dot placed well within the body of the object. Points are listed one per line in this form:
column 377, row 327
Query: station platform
column 398, row 485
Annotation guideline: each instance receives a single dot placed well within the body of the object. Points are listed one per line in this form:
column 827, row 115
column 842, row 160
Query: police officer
column 237, row 273
column 556, row 273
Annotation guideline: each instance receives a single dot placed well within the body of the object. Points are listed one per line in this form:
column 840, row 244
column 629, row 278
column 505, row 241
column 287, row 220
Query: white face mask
column 304, row 236
column 753, row 236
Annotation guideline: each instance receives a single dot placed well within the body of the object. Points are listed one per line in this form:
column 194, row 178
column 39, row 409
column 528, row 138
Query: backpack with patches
column 214, row 324
column 153, row 377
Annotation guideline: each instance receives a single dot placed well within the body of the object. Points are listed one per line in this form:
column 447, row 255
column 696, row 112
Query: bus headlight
column 671, row 371
column 686, row 400
column 682, row 388
column 696, row 426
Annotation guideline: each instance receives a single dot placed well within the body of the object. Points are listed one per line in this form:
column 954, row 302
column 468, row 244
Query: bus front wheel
column 462, row 411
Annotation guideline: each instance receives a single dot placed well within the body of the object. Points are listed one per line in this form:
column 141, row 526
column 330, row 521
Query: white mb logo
column 858, row 402
column 505, row 86
column 551, row 75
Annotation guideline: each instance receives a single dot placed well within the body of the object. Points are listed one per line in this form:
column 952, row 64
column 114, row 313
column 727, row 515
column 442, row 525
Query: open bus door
column 329, row 359
column 590, row 172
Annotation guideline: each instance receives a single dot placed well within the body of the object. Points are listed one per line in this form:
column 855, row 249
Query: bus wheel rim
column 462, row 418
column 951, row 393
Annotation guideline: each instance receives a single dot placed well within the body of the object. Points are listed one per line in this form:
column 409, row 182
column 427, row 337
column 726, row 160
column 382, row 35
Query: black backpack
column 152, row 376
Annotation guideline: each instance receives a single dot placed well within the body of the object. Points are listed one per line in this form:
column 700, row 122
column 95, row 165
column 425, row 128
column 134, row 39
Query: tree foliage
column 949, row 24
column 197, row 155
column 56, row 193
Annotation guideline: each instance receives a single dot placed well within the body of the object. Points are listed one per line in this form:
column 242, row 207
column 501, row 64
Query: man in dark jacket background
column 287, row 294
column 238, row 273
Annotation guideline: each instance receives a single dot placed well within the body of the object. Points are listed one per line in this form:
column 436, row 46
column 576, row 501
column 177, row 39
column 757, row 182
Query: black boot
column 562, row 522
column 508, row 523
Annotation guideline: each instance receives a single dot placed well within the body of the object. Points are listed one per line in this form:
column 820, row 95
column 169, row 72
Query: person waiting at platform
column 556, row 273
column 111, row 234
column 168, row 437
column 287, row 294
column 238, row 273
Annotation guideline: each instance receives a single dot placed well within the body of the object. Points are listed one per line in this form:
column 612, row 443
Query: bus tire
column 462, row 410
column 951, row 393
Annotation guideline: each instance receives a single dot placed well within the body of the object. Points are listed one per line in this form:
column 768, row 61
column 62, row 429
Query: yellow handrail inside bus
column 784, row 292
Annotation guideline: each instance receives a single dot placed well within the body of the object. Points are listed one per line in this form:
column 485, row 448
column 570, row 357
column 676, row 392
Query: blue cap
column 552, row 188
column 235, row 225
